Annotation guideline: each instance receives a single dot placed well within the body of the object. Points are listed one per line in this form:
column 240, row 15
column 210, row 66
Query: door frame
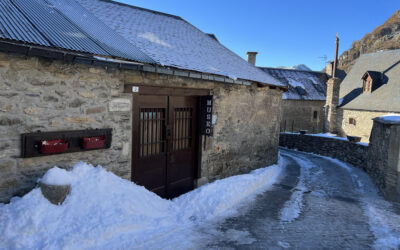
column 168, row 91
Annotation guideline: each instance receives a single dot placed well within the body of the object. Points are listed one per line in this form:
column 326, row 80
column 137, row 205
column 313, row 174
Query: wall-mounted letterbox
column 49, row 143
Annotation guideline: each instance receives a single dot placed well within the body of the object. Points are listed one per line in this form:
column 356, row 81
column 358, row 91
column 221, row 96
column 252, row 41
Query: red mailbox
column 53, row 146
column 93, row 142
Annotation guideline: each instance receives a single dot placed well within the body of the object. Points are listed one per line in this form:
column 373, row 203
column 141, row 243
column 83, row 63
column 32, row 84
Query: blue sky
column 285, row 33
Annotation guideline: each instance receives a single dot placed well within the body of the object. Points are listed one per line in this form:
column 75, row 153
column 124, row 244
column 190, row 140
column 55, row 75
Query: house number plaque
column 135, row 89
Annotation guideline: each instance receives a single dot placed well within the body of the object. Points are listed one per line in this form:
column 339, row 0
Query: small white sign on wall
column 120, row 105
column 214, row 119
column 135, row 89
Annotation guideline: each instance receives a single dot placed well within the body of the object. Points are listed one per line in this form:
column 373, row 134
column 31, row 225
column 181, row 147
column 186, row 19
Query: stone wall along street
column 380, row 159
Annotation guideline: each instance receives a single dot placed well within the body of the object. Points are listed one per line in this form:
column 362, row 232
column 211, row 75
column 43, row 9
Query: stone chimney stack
column 329, row 69
column 251, row 57
column 332, row 97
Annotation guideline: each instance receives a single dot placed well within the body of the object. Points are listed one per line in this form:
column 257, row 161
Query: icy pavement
column 320, row 203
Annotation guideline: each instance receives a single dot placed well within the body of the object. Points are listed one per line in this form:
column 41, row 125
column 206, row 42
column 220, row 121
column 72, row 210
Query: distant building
column 371, row 89
column 302, row 104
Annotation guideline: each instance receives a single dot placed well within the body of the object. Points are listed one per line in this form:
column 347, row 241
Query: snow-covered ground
column 104, row 211
column 329, row 135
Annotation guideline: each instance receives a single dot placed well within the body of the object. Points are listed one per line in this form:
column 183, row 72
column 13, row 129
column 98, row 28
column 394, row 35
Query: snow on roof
column 303, row 85
column 104, row 211
column 389, row 119
column 172, row 41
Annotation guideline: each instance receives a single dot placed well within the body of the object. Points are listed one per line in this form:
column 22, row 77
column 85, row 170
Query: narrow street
column 318, row 204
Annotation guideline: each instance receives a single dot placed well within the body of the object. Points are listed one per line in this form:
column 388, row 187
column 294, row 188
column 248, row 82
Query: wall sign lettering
column 206, row 115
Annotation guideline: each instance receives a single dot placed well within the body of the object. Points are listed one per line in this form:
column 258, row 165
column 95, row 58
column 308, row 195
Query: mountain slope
column 383, row 37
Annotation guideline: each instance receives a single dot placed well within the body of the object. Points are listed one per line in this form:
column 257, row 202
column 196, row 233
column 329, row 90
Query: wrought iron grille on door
column 152, row 132
column 182, row 138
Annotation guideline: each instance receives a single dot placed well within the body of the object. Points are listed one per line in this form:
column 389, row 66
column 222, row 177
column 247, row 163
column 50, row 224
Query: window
column 315, row 115
column 352, row 121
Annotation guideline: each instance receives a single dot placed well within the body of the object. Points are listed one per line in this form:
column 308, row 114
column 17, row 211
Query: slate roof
column 172, row 41
column 41, row 23
column 387, row 96
column 303, row 85
column 120, row 31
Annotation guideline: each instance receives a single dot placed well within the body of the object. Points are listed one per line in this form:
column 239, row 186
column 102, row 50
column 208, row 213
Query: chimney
column 329, row 69
column 336, row 56
column 251, row 57
column 332, row 123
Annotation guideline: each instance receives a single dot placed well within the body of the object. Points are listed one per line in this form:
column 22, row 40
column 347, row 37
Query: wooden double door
column 164, row 143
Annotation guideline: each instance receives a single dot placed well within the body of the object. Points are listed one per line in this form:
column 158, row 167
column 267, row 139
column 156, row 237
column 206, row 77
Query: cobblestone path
column 318, row 204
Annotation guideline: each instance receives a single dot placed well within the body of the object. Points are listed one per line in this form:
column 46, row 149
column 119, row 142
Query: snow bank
column 57, row 176
column 104, row 211
column 329, row 135
column 222, row 196
column 334, row 136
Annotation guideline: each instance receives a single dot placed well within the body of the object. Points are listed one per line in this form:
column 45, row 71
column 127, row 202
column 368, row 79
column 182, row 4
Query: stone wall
column 343, row 150
column 381, row 159
column 299, row 115
column 40, row 94
column 246, row 133
column 363, row 125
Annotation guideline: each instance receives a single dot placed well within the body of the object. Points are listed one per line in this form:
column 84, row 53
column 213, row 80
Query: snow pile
column 334, row 136
column 222, row 196
column 329, row 135
column 104, row 211
column 57, row 176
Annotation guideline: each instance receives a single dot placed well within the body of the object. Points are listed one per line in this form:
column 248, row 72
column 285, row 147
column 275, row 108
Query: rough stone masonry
column 380, row 159
column 46, row 95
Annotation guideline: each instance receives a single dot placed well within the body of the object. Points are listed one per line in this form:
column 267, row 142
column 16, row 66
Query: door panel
column 149, row 142
column 164, row 132
column 181, row 155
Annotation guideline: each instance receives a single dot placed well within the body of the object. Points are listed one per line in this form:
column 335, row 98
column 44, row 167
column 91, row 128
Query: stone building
column 370, row 90
column 69, row 69
column 302, row 104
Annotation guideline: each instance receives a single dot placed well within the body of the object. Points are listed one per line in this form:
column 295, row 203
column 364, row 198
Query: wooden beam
column 155, row 90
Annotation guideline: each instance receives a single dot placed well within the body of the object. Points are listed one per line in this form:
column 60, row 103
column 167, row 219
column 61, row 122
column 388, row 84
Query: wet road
column 317, row 204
